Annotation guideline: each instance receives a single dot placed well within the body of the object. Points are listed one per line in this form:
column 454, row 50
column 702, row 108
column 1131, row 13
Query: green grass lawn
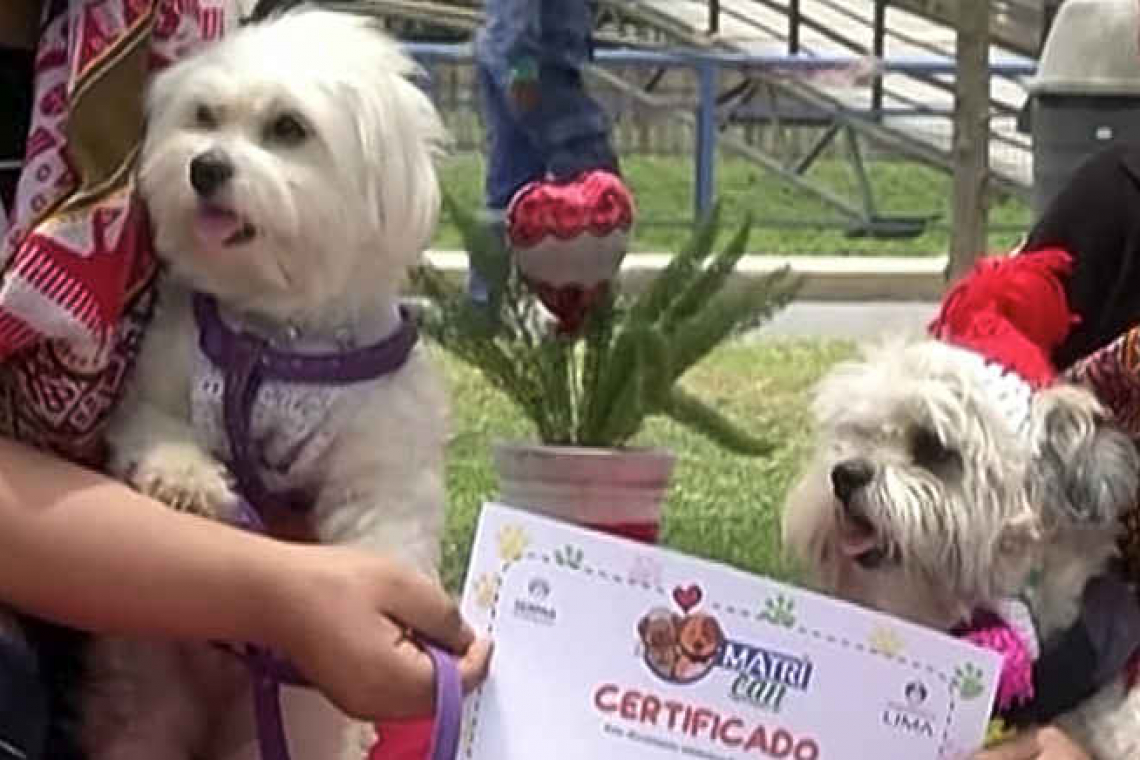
column 663, row 188
column 721, row 506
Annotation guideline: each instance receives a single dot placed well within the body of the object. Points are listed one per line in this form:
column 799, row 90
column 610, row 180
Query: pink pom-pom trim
column 1015, row 687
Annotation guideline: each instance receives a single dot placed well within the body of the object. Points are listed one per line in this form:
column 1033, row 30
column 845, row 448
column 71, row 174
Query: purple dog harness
column 246, row 361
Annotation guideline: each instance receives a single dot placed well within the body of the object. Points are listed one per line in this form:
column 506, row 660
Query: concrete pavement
column 843, row 297
column 842, row 279
column 847, row 321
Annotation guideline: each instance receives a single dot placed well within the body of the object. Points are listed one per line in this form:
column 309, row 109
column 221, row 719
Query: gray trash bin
column 1086, row 94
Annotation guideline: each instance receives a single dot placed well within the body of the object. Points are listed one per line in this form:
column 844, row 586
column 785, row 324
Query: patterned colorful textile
column 77, row 260
column 1113, row 374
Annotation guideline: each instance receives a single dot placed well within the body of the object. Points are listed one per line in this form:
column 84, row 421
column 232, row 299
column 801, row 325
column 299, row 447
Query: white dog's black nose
column 849, row 476
column 209, row 171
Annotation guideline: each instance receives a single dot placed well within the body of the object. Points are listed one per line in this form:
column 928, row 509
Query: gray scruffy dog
column 943, row 484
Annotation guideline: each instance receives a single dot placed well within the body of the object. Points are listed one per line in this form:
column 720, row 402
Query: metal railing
column 708, row 67
column 1020, row 25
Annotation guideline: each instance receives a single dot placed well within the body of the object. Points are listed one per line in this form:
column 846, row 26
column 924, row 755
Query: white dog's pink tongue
column 856, row 539
column 217, row 225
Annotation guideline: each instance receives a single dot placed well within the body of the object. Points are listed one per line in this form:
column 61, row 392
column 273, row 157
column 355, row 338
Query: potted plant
column 588, row 365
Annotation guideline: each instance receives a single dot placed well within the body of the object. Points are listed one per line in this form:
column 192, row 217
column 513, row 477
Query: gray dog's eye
column 287, row 130
column 204, row 118
column 929, row 451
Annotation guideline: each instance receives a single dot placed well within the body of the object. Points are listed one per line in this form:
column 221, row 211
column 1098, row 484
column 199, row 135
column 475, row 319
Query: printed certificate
column 607, row 649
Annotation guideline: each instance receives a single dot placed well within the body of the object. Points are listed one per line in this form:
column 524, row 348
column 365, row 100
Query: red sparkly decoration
column 569, row 239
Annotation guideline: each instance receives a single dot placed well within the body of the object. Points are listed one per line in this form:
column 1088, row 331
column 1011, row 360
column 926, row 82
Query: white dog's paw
column 185, row 478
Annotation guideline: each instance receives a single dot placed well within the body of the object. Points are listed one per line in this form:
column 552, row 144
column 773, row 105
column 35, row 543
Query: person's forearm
column 79, row 549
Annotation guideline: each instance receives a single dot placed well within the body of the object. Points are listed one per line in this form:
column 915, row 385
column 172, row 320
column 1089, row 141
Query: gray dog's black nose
column 849, row 476
column 209, row 171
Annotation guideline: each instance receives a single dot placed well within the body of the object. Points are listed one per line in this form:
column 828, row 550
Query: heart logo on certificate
column 688, row 597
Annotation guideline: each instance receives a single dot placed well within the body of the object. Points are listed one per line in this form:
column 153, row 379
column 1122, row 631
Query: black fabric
column 266, row 8
column 1096, row 218
column 61, row 654
column 1090, row 655
column 1062, row 679
column 1110, row 613
column 23, row 704
column 16, row 68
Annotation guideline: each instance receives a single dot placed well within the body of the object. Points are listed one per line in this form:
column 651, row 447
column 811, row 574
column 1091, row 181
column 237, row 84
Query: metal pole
column 878, row 49
column 793, row 27
column 971, row 138
column 706, row 138
column 714, row 17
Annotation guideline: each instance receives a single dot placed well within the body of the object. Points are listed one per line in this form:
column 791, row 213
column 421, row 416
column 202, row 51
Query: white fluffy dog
column 941, row 485
column 289, row 175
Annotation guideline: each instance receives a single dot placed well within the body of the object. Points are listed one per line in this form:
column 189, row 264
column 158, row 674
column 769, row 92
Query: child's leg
column 513, row 159
column 573, row 129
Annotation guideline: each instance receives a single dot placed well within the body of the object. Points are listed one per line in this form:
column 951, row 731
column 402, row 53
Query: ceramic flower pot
column 619, row 491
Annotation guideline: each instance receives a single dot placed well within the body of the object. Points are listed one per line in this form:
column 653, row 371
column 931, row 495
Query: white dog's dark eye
column 929, row 451
column 286, row 129
column 204, row 117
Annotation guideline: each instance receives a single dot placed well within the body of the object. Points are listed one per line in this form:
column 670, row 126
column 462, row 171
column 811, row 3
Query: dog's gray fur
column 953, row 509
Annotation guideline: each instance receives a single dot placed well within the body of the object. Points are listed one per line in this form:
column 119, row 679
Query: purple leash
column 271, row 672
column 246, row 361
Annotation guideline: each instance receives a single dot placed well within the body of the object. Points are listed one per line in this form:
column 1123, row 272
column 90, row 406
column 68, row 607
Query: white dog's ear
column 401, row 134
column 161, row 91
column 1085, row 468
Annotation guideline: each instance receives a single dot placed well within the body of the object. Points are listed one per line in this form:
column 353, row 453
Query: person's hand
column 341, row 620
column 1047, row 743
column 523, row 83
column 525, row 94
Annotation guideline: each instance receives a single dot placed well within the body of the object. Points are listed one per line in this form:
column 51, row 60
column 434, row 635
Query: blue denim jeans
column 566, row 134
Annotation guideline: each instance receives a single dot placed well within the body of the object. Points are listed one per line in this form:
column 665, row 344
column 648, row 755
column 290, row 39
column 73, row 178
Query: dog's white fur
column 338, row 216
column 957, row 508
